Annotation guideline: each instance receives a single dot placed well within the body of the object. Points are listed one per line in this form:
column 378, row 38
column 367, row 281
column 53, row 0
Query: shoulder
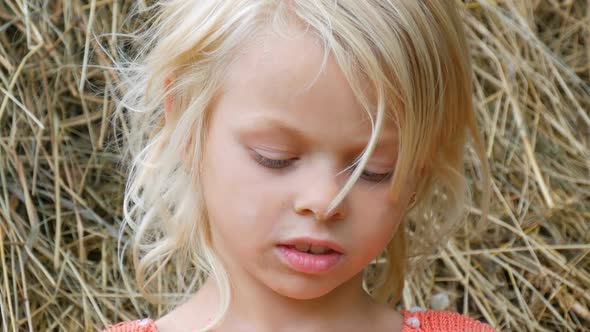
column 420, row 320
column 139, row 325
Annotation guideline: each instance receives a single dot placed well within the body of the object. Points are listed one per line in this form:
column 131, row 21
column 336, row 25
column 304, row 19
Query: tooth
column 304, row 247
column 317, row 250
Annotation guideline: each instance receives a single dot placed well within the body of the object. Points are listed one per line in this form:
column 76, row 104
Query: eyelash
column 277, row 164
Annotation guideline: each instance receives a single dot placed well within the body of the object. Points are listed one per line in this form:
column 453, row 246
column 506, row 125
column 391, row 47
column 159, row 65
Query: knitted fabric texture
column 420, row 320
column 140, row 325
column 415, row 320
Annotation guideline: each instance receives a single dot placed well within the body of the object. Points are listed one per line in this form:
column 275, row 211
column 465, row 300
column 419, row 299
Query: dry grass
column 60, row 184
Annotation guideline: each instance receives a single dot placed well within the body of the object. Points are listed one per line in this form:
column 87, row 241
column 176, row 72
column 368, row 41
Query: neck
column 256, row 307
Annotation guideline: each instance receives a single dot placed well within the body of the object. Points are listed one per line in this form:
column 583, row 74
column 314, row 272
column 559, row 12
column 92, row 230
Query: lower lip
column 309, row 263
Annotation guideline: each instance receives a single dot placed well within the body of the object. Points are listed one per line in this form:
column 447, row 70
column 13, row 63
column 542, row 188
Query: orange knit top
column 415, row 320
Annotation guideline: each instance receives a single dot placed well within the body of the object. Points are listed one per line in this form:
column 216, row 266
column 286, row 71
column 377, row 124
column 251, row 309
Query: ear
column 424, row 172
column 414, row 183
column 169, row 114
column 419, row 182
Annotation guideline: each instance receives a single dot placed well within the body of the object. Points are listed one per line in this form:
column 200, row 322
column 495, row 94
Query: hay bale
column 61, row 184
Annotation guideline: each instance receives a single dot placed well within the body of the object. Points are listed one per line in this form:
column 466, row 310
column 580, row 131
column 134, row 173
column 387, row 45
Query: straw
column 61, row 185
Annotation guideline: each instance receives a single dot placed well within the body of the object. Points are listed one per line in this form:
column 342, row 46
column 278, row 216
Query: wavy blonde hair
column 413, row 54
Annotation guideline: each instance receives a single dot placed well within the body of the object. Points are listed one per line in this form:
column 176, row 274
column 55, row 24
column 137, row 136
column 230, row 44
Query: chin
column 305, row 288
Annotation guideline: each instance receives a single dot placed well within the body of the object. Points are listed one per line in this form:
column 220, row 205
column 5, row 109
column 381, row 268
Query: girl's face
column 271, row 160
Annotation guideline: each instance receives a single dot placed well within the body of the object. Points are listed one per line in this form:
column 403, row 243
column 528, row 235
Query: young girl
column 289, row 157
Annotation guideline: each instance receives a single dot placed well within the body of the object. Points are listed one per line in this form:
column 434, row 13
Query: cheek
column 239, row 198
column 386, row 224
column 377, row 225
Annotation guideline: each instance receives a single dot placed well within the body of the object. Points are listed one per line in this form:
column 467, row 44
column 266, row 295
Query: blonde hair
column 412, row 53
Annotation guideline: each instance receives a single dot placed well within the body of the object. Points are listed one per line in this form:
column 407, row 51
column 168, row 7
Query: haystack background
column 61, row 184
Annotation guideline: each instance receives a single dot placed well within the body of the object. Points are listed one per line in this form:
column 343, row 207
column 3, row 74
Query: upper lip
column 314, row 242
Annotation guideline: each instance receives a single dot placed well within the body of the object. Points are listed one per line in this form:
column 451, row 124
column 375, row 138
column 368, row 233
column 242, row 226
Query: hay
column 60, row 184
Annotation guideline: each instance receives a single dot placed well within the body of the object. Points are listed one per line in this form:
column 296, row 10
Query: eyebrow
column 276, row 125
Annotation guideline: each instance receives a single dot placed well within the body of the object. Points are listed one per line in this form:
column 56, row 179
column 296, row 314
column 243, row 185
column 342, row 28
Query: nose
column 316, row 195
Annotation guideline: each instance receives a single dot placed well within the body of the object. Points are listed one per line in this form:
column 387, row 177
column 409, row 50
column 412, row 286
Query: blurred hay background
column 61, row 185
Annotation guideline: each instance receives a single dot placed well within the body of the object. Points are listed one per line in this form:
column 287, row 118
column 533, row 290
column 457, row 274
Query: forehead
column 279, row 80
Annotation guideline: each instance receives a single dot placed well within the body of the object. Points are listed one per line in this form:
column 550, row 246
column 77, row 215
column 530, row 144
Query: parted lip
column 314, row 242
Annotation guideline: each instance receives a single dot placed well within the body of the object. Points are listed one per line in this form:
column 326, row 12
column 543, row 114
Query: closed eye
column 282, row 163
